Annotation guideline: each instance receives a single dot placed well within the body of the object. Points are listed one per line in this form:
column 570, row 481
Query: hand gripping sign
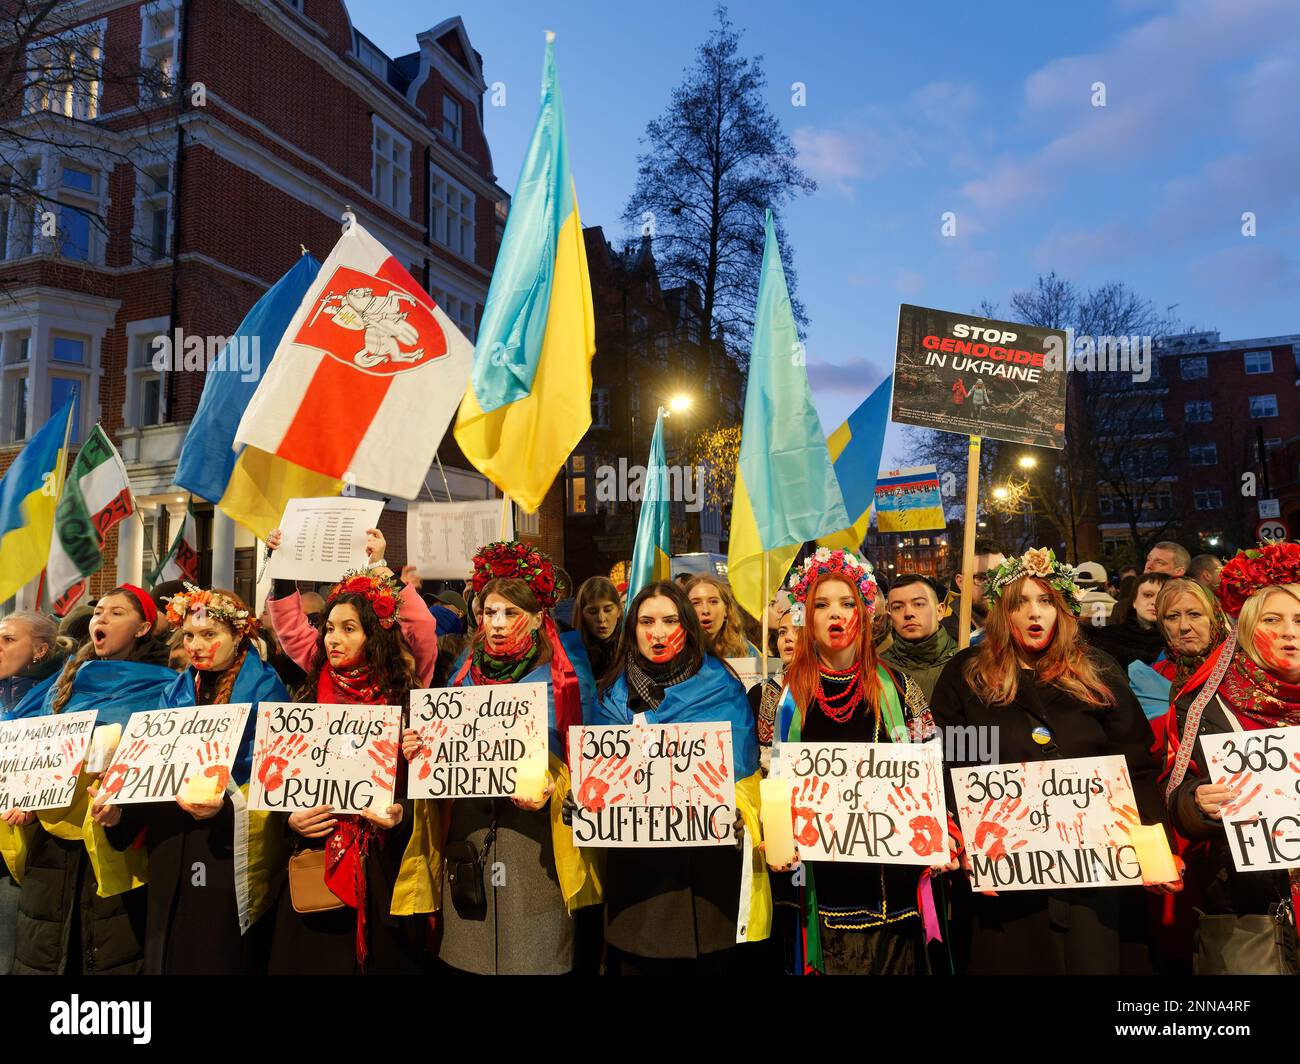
column 1263, row 821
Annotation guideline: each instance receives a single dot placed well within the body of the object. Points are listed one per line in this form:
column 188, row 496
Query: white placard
column 323, row 538
column 652, row 785
column 1263, row 821
column 750, row 670
column 442, row 537
column 473, row 739
column 867, row 802
column 1048, row 825
column 162, row 748
column 41, row 758
column 309, row 754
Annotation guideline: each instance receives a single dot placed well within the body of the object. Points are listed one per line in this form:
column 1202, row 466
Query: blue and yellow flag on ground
column 29, row 493
column 529, row 398
column 653, row 553
column 855, row 448
column 250, row 487
column 786, row 492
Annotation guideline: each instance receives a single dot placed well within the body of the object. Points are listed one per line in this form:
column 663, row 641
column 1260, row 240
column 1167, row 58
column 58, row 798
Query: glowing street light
column 679, row 402
column 1000, row 492
column 1027, row 461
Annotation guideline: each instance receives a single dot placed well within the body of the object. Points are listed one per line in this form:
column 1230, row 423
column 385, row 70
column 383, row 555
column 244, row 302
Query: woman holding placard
column 677, row 910
column 1038, row 690
column 1251, row 683
column 598, row 611
column 860, row 918
column 719, row 616
column 61, row 857
column 519, row 922
column 377, row 643
column 203, row 916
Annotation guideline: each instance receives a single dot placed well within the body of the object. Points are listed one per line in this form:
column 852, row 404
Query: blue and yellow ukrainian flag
column 653, row 553
column 250, row 487
column 529, row 397
column 855, row 448
column 786, row 492
column 29, row 493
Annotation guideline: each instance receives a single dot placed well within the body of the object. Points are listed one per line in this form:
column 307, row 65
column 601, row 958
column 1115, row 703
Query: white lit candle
column 531, row 779
column 1153, row 854
column 200, row 790
column 778, row 820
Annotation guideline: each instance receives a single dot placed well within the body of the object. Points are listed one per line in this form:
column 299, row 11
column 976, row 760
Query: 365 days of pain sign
column 858, row 802
column 1263, row 821
column 305, row 755
column 1042, row 825
column 162, row 748
column 41, row 758
column 473, row 739
column 652, row 785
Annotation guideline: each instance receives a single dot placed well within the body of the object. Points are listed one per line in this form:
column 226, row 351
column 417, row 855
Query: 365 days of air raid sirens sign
column 979, row 377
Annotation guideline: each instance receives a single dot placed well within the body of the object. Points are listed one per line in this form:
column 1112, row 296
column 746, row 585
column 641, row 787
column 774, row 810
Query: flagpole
column 762, row 650
column 60, row 472
column 968, row 543
column 505, row 512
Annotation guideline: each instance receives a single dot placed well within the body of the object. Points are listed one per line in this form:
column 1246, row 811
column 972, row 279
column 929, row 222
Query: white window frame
column 452, row 211
column 20, row 216
column 148, row 201
column 1255, row 415
column 579, row 474
column 160, row 52
column 12, row 370
column 1199, row 361
column 1257, row 355
column 92, row 204
column 390, row 170
column 139, row 371
column 459, row 307
column 457, row 122
column 80, row 95
column 527, row 524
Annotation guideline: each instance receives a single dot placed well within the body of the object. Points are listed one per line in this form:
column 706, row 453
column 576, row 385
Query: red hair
column 802, row 674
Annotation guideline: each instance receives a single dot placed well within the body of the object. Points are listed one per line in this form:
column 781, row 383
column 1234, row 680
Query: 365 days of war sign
column 41, row 758
column 1263, row 821
column 880, row 802
column 162, row 748
column 980, row 377
column 1042, row 825
column 305, row 755
column 473, row 740
column 652, row 785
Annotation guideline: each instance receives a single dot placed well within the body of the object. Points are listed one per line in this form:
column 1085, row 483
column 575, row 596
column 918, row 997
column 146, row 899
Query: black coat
column 1072, row 931
column 1127, row 641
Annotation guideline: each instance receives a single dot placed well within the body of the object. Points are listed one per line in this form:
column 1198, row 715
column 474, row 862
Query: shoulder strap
column 1193, row 723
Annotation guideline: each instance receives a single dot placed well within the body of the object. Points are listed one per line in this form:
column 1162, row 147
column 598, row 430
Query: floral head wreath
column 380, row 591
column 1040, row 563
column 210, row 603
column 827, row 562
column 1256, row 568
column 520, row 562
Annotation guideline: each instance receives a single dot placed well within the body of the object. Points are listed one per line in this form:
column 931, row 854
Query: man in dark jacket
column 921, row 647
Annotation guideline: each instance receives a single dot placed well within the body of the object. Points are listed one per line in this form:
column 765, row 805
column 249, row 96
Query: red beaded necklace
column 839, row 708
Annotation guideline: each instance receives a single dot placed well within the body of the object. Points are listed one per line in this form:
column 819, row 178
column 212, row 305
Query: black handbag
column 464, row 863
column 1248, row 945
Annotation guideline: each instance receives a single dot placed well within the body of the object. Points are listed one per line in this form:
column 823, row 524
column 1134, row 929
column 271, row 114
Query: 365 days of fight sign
column 305, row 755
column 161, row 749
column 880, row 802
column 1041, row 825
column 41, row 758
column 473, row 740
column 980, row 377
column 652, row 785
column 1263, row 821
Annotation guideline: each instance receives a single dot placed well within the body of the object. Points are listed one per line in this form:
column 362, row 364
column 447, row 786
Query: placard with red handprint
column 307, row 754
column 1262, row 820
column 163, row 749
column 866, row 802
column 652, row 785
column 1045, row 825
column 41, row 758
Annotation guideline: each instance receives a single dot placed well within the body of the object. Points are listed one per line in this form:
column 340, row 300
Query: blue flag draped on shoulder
column 652, row 555
column 786, row 491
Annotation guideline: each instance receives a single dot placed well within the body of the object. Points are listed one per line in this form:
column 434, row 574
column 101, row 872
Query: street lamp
column 679, row 402
column 1027, row 461
column 1000, row 492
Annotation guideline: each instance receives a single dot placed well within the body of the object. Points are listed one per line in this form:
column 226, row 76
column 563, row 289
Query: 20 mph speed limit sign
column 1270, row 532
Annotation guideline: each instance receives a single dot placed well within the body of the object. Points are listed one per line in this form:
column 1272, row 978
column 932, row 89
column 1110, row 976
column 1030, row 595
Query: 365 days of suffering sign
column 162, row 748
column 1263, row 821
column 41, row 758
column 652, row 785
column 474, row 739
column 305, row 755
column 880, row 802
column 1042, row 825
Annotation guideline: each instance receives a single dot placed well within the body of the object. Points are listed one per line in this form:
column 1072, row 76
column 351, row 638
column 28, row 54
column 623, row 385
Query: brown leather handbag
column 307, row 889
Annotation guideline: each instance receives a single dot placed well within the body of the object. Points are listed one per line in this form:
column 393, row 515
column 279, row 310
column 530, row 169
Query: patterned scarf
column 488, row 669
column 648, row 680
column 1258, row 696
column 1186, row 664
column 356, row 686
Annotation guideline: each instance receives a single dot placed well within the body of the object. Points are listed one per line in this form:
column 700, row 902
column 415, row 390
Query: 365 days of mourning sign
column 1043, row 825
column 880, row 802
column 473, row 739
column 652, row 785
column 162, row 748
column 41, row 758
column 1263, row 821
column 305, row 755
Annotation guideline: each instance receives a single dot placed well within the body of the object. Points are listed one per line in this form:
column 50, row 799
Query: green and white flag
column 96, row 496
column 182, row 561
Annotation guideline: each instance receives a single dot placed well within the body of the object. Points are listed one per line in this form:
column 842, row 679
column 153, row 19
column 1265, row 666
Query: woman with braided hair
column 204, row 907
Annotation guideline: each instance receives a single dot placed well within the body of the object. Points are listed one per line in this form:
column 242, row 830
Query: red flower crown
column 380, row 591
column 839, row 562
column 1259, row 567
column 520, row 562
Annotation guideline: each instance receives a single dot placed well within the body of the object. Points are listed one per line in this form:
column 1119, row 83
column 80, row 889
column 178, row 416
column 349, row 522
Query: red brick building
column 194, row 147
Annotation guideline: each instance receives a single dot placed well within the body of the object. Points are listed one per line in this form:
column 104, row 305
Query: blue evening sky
column 980, row 109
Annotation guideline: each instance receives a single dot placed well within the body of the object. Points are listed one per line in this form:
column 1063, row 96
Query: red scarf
column 1259, row 699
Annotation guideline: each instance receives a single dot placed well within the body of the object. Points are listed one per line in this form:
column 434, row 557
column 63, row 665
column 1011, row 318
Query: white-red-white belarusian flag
column 366, row 378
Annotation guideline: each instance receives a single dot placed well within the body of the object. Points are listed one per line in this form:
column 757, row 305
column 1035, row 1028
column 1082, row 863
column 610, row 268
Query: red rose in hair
column 521, row 549
column 357, row 585
column 384, row 604
column 502, row 567
column 544, row 582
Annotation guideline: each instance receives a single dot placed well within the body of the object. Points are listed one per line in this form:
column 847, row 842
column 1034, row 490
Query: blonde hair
column 1249, row 619
column 730, row 641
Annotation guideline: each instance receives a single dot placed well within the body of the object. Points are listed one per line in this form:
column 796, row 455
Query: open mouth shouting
column 669, row 646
